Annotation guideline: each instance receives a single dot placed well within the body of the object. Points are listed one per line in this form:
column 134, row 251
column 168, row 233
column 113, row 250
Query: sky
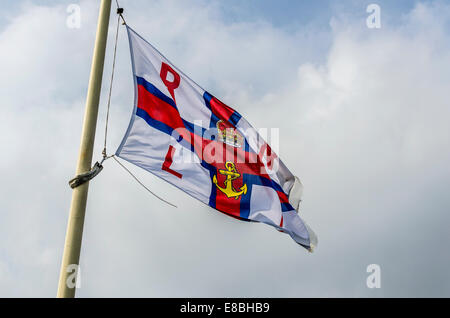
column 363, row 118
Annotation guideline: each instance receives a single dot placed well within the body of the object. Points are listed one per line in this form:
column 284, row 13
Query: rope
column 119, row 16
column 120, row 11
column 104, row 153
column 135, row 178
column 110, row 88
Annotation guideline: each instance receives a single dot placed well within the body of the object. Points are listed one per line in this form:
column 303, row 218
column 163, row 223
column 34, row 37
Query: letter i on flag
column 187, row 137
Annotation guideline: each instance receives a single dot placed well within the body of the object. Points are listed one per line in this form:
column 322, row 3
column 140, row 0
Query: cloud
column 363, row 122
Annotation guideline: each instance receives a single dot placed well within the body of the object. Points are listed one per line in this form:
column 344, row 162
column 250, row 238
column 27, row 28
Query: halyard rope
column 104, row 153
column 110, row 87
column 135, row 178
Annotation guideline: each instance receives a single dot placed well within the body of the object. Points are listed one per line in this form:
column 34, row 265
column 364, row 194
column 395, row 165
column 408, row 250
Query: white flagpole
column 72, row 246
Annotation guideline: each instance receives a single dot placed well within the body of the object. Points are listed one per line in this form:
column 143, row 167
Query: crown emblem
column 228, row 134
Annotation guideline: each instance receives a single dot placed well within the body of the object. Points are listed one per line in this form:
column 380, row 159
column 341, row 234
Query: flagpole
column 72, row 245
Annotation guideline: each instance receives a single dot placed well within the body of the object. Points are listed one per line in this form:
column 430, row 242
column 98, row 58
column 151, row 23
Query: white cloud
column 364, row 124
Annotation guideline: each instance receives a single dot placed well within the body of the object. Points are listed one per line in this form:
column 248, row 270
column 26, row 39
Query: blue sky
column 286, row 13
column 363, row 117
column 283, row 13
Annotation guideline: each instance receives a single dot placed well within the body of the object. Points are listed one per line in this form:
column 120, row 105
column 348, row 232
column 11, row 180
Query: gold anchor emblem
column 232, row 174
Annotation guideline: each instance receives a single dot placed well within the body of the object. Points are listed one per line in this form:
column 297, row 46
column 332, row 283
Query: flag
column 189, row 138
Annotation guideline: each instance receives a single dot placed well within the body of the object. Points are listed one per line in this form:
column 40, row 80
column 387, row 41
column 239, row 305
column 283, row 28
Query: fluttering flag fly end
column 189, row 138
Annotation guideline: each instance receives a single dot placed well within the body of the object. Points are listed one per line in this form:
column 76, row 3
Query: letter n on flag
column 187, row 137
